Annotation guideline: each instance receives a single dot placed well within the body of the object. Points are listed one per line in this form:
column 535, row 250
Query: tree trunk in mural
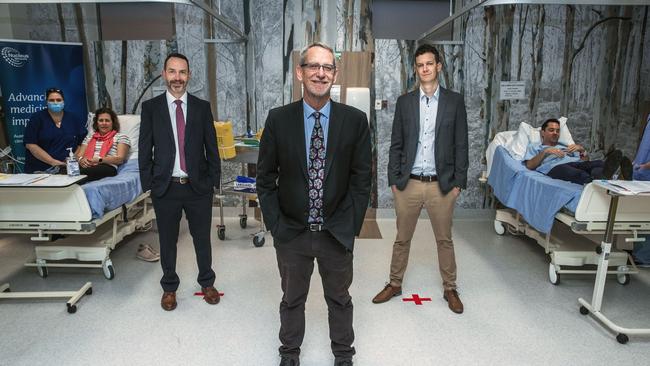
column 606, row 106
column 637, row 93
column 86, row 55
column 567, row 60
column 211, row 61
column 489, row 41
column 123, row 81
column 523, row 20
column 504, row 49
column 348, row 15
column 570, row 53
column 59, row 14
column 406, row 51
column 538, row 62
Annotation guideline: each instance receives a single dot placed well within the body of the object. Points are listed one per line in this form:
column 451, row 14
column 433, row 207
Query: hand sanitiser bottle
column 72, row 164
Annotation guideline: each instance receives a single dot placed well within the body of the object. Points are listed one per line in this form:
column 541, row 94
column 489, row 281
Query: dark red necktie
column 180, row 131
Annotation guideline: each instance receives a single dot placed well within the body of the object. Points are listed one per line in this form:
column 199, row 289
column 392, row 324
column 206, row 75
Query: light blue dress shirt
column 550, row 161
column 425, row 162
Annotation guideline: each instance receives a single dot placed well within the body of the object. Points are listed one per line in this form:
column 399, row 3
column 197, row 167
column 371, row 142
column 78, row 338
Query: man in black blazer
column 427, row 166
column 179, row 163
column 313, row 182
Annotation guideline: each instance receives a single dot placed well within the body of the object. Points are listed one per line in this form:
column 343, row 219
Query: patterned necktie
column 180, row 130
column 316, row 171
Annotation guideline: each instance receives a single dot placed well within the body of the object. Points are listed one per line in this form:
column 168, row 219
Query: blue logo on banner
column 27, row 69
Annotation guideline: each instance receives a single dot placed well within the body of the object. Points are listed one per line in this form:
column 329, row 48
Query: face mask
column 55, row 107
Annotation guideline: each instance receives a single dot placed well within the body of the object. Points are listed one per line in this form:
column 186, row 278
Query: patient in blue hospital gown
column 642, row 172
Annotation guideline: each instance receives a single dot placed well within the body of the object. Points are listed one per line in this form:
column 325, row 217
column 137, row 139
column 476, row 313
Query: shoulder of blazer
column 155, row 100
column 406, row 96
column 286, row 110
column 450, row 94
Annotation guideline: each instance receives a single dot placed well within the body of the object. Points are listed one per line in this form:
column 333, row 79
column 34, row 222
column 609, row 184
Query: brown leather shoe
column 211, row 295
column 168, row 301
column 454, row 301
column 387, row 293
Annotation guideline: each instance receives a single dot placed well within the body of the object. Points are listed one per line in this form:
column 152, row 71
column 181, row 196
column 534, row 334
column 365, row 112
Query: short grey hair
column 303, row 53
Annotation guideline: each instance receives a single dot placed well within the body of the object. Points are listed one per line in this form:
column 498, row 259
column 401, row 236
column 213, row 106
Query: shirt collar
column 308, row 110
column 436, row 94
column 171, row 98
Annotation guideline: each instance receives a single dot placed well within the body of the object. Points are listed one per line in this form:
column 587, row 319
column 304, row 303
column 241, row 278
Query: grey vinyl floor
column 513, row 314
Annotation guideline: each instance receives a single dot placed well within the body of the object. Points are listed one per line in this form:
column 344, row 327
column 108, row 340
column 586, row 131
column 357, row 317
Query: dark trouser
column 579, row 172
column 296, row 264
column 98, row 172
column 198, row 211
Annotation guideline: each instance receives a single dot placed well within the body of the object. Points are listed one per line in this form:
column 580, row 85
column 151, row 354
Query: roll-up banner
column 27, row 70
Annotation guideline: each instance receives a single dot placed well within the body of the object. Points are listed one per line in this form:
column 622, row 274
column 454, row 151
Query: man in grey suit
column 427, row 166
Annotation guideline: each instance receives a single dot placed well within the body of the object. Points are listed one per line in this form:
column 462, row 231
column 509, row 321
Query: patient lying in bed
column 570, row 162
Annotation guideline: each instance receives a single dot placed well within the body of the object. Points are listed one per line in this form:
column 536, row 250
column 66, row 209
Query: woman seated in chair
column 102, row 152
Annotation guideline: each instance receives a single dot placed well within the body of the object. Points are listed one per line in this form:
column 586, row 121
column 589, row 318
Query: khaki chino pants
column 440, row 207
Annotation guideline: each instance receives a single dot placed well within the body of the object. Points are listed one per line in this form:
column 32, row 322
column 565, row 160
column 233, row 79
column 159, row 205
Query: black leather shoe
column 289, row 361
column 343, row 362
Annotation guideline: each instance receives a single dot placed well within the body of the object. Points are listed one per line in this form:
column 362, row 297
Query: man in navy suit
column 427, row 167
column 179, row 163
column 313, row 184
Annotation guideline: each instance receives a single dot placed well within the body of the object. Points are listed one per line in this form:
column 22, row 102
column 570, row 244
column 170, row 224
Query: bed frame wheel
column 622, row 338
column 72, row 308
column 221, row 232
column 553, row 276
column 42, row 271
column 258, row 240
column 584, row 310
column 109, row 271
column 242, row 221
column 89, row 291
column 499, row 228
column 623, row 279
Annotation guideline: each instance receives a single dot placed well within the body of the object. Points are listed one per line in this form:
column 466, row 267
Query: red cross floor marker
column 202, row 294
column 416, row 299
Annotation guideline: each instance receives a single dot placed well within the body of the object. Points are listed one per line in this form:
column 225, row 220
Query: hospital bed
column 93, row 218
column 537, row 205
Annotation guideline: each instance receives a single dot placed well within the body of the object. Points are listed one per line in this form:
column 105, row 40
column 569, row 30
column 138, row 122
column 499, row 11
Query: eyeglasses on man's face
column 314, row 67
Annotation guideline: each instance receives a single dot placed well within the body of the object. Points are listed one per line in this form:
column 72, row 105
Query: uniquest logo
column 13, row 57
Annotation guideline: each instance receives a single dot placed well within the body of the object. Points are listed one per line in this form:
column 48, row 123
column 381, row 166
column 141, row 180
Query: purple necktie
column 316, row 171
column 180, row 131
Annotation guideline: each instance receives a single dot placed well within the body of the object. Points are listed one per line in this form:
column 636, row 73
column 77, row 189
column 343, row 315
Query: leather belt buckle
column 316, row 227
column 181, row 180
column 425, row 178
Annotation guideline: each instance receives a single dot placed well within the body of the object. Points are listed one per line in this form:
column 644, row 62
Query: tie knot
column 316, row 115
column 178, row 102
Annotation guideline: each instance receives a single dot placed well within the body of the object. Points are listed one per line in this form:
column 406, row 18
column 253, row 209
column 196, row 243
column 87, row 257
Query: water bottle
column 72, row 164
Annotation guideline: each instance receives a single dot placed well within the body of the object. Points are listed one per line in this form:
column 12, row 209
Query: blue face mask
column 55, row 107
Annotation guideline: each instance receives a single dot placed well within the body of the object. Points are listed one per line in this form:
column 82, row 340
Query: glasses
column 327, row 68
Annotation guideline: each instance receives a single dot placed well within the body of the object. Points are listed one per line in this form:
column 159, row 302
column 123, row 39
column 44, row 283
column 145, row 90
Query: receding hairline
column 303, row 52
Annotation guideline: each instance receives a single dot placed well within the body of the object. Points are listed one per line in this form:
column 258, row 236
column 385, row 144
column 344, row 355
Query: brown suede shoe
column 210, row 295
column 387, row 293
column 168, row 301
column 454, row 301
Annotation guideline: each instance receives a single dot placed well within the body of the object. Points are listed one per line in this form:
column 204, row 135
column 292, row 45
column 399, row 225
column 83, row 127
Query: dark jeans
column 98, row 172
column 579, row 172
column 198, row 211
column 296, row 264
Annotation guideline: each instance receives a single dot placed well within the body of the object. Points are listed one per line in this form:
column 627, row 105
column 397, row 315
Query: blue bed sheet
column 112, row 192
column 534, row 195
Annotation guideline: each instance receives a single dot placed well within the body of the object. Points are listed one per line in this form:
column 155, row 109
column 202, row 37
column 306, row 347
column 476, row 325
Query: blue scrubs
column 42, row 131
column 643, row 155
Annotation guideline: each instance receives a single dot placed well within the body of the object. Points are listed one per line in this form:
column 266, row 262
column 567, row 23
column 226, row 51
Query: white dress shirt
column 178, row 172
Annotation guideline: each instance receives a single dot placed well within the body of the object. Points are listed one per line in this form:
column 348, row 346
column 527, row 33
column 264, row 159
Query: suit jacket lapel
column 335, row 125
column 442, row 105
column 189, row 113
column 298, row 132
column 166, row 119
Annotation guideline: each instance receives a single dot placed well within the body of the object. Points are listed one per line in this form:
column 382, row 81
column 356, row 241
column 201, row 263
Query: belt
column 181, row 180
column 316, row 227
column 424, row 178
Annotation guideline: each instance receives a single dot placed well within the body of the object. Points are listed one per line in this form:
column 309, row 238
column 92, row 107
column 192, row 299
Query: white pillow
column 130, row 126
column 527, row 134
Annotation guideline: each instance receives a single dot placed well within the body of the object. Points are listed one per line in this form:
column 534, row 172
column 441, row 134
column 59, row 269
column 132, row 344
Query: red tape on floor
column 202, row 294
column 416, row 299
